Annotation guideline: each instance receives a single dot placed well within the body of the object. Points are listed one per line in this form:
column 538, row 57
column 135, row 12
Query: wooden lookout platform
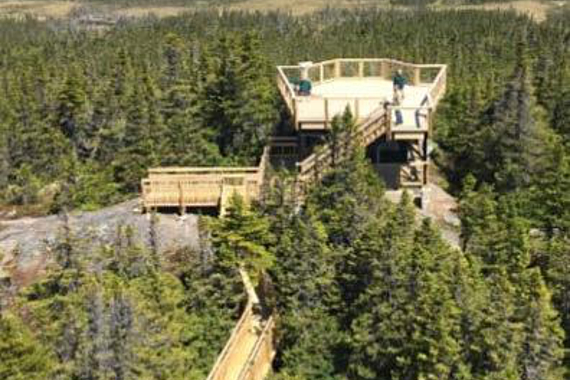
column 398, row 151
column 363, row 85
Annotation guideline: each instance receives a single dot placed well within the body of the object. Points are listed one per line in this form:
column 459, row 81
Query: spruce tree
column 22, row 355
column 243, row 238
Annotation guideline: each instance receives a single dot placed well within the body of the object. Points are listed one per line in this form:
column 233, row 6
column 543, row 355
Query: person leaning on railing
column 305, row 87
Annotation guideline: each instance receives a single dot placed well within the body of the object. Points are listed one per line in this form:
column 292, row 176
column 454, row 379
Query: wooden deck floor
column 342, row 92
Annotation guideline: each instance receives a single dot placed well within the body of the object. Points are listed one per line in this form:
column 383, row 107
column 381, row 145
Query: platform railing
column 202, row 186
column 365, row 68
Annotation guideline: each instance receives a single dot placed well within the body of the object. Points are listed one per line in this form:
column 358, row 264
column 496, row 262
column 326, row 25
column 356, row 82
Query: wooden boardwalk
column 363, row 85
column 249, row 352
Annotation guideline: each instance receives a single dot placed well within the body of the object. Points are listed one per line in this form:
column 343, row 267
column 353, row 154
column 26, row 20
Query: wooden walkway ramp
column 249, row 352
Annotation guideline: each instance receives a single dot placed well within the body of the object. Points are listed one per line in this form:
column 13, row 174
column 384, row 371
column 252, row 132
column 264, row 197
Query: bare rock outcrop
column 24, row 242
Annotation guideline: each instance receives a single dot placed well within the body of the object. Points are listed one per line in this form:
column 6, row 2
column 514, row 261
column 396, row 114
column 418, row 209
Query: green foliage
column 361, row 288
column 94, row 118
column 114, row 312
column 243, row 238
column 22, row 356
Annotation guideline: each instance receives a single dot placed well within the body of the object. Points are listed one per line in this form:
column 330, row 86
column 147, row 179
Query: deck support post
column 181, row 206
column 389, row 123
column 295, row 115
column 326, row 113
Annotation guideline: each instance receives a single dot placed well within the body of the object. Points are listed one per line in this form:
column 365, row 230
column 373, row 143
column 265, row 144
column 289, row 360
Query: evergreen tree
column 243, row 238
column 22, row 356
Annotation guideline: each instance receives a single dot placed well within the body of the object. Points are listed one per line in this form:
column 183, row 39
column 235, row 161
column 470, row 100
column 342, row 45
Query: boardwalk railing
column 259, row 361
column 433, row 76
column 202, row 187
column 224, row 362
column 242, row 359
column 313, row 167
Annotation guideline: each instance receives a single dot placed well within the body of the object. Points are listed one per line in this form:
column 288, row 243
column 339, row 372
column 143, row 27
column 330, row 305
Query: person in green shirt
column 305, row 87
column 399, row 82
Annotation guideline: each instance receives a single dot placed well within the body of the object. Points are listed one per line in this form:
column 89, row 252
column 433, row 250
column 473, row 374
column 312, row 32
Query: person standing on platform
column 397, row 111
column 399, row 82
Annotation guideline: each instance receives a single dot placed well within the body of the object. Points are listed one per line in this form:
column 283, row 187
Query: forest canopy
column 363, row 290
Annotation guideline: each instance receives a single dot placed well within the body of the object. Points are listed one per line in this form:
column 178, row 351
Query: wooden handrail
column 436, row 86
column 248, row 311
column 308, row 165
column 177, row 169
column 266, row 334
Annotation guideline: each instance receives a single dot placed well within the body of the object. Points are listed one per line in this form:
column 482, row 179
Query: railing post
column 384, row 69
column 337, row 68
column 356, row 109
column 416, row 76
column 361, row 69
column 321, row 73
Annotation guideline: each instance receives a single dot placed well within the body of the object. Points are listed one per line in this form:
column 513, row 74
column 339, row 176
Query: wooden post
column 337, row 69
column 181, row 199
column 383, row 69
column 416, row 79
column 356, row 109
column 326, row 113
column 389, row 123
column 425, row 147
column 361, row 69
column 295, row 113
column 322, row 72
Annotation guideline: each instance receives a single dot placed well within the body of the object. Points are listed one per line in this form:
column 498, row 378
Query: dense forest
column 119, row 311
column 362, row 289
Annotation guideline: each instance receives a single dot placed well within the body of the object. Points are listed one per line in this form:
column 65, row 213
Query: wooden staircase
column 312, row 169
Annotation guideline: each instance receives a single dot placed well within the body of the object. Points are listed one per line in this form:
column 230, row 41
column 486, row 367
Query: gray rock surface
column 30, row 236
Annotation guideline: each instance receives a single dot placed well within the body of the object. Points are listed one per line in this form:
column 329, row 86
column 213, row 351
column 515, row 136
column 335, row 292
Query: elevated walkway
column 249, row 352
column 202, row 186
column 364, row 87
